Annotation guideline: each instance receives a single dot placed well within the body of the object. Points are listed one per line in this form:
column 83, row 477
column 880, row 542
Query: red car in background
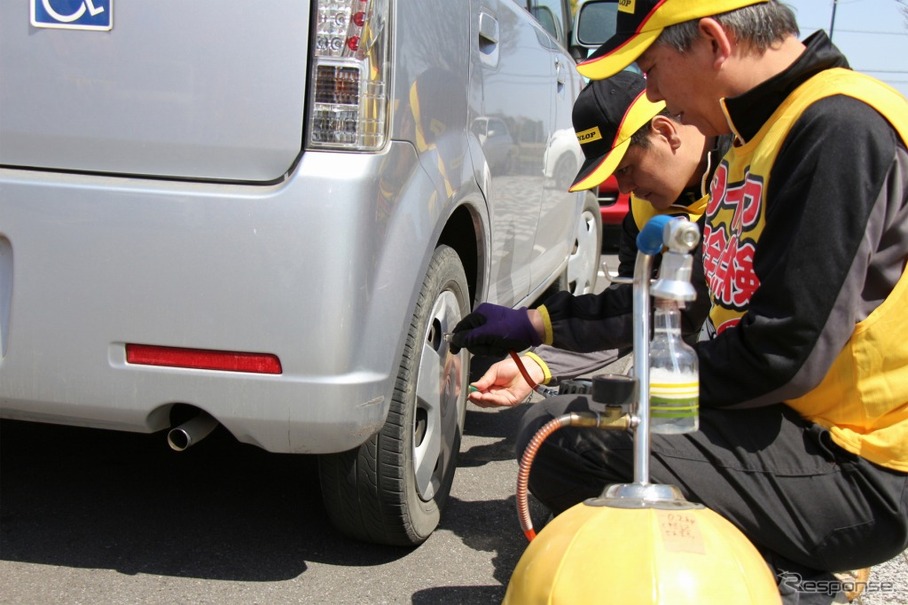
column 613, row 205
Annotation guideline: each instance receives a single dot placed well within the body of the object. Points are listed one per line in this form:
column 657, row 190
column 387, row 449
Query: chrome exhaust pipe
column 191, row 432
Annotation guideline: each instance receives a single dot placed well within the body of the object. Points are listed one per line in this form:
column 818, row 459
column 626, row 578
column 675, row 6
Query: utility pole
column 832, row 22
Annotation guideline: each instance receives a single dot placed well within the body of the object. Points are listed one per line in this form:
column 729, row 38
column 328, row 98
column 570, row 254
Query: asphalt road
column 91, row 516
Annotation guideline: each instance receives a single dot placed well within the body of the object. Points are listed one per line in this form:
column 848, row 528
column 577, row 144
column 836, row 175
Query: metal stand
column 679, row 237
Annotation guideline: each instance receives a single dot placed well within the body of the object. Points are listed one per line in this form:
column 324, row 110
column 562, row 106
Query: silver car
column 268, row 220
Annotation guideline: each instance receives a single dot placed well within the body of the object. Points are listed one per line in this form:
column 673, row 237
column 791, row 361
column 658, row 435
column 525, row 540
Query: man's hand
column 503, row 386
column 495, row 330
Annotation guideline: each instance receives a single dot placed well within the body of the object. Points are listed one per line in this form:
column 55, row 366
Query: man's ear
column 667, row 128
column 721, row 42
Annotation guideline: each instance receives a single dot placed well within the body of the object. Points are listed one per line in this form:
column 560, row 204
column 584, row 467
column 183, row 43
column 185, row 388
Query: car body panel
column 157, row 95
column 186, row 213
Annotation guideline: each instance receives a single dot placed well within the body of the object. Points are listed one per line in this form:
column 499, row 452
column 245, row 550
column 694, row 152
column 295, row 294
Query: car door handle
column 560, row 76
column 489, row 35
column 488, row 29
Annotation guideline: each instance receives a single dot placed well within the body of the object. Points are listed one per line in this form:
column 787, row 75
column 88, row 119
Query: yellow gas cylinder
column 637, row 556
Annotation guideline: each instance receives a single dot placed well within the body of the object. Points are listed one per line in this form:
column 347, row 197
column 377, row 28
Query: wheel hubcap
column 439, row 399
column 581, row 262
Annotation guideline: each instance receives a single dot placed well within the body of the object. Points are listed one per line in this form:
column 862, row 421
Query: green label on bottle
column 674, row 399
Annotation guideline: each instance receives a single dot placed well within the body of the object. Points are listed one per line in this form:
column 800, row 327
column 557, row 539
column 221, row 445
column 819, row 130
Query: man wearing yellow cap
column 665, row 167
column 803, row 440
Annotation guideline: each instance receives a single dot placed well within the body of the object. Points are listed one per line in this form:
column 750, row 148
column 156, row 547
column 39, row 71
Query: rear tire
column 392, row 489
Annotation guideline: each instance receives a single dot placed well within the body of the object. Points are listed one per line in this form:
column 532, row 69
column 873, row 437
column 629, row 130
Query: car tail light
column 348, row 102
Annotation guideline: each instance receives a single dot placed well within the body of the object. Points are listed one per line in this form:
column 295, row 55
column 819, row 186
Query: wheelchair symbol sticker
column 73, row 14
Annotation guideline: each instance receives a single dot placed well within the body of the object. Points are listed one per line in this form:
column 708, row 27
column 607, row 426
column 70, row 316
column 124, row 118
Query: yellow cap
column 640, row 22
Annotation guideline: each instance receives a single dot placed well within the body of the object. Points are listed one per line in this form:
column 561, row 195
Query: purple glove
column 494, row 330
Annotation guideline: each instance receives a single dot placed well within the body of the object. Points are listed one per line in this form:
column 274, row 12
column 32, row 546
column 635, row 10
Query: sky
column 873, row 34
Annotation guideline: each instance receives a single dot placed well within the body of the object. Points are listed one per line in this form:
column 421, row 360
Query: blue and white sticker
column 73, row 14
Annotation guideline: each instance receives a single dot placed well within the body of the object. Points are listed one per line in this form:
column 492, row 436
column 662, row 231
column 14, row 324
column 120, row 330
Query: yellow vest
column 863, row 399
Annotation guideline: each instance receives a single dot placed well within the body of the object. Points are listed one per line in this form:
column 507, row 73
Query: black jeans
column 808, row 505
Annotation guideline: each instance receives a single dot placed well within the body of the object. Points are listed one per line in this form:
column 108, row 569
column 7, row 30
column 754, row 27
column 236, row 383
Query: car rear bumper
column 300, row 270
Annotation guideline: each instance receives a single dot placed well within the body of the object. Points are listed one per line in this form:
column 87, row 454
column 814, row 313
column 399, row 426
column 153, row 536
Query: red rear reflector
column 203, row 359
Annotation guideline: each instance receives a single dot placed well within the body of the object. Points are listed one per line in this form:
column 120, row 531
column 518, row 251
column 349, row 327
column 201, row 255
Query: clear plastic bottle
column 674, row 380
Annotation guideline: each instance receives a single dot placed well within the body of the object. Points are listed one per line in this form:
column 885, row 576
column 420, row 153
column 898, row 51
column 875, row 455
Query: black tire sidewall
column 421, row 517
